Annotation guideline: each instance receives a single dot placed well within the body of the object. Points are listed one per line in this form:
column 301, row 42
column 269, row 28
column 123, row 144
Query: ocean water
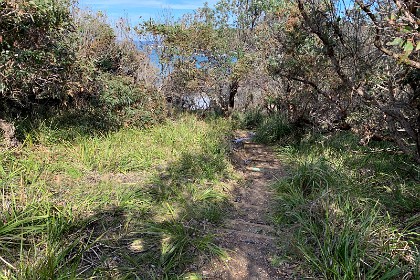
column 200, row 102
column 148, row 47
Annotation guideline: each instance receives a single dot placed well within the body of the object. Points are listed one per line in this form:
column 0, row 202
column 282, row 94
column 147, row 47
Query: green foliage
column 37, row 225
column 125, row 103
column 349, row 246
column 313, row 177
column 130, row 203
column 252, row 119
column 344, row 219
column 180, row 242
column 58, row 61
column 200, row 52
column 317, row 67
column 35, row 59
column 97, row 41
column 273, row 129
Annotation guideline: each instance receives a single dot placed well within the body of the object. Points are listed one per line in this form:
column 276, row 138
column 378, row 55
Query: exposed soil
column 248, row 233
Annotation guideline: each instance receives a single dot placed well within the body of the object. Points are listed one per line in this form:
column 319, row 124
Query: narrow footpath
column 248, row 233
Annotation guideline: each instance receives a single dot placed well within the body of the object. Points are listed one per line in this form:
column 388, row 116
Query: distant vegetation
column 326, row 64
column 98, row 151
column 347, row 65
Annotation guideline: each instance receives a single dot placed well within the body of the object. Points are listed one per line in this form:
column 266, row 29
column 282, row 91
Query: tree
column 397, row 35
column 222, row 42
column 332, row 51
column 34, row 61
column 398, row 20
column 197, row 57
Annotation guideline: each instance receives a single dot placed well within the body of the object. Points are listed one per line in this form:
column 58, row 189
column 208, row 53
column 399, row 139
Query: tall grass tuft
column 179, row 242
column 253, row 118
column 343, row 222
column 314, row 176
column 273, row 128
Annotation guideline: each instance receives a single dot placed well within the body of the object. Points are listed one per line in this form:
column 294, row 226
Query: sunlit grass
column 73, row 208
column 352, row 211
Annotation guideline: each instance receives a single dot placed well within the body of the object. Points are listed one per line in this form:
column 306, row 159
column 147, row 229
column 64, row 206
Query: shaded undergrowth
column 134, row 204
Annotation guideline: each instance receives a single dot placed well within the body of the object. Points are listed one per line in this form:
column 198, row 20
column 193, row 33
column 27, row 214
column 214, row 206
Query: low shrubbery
column 124, row 103
column 273, row 128
column 249, row 119
column 269, row 128
column 57, row 60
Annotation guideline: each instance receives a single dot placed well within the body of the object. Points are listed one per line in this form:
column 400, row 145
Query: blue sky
column 146, row 9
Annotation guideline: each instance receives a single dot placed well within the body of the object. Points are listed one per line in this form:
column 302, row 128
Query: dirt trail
column 248, row 234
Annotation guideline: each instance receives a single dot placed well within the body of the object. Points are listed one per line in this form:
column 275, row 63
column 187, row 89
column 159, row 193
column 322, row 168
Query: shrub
column 124, row 103
column 252, row 118
column 35, row 59
column 57, row 61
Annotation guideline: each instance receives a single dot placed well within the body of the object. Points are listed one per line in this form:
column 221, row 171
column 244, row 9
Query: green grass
column 273, row 128
column 249, row 119
column 352, row 211
column 121, row 205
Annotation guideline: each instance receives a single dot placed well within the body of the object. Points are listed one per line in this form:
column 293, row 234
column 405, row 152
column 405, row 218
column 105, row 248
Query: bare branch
column 330, row 51
column 378, row 42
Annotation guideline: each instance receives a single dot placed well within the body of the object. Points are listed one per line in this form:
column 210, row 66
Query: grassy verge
column 125, row 205
column 352, row 212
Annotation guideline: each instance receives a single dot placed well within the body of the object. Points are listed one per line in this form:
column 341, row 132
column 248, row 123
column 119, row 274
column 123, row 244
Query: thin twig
column 7, row 263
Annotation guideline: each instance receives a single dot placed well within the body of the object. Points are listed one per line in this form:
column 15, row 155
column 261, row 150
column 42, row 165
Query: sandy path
column 248, row 234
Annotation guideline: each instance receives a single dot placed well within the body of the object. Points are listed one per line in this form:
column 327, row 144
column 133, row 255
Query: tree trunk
column 9, row 133
column 233, row 90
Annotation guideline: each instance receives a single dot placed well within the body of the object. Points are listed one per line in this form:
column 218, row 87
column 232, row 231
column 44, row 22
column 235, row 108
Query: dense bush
column 56, row 58
column 124, row 103
column 335, row 72
column 36, row 62
column 328, row 64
